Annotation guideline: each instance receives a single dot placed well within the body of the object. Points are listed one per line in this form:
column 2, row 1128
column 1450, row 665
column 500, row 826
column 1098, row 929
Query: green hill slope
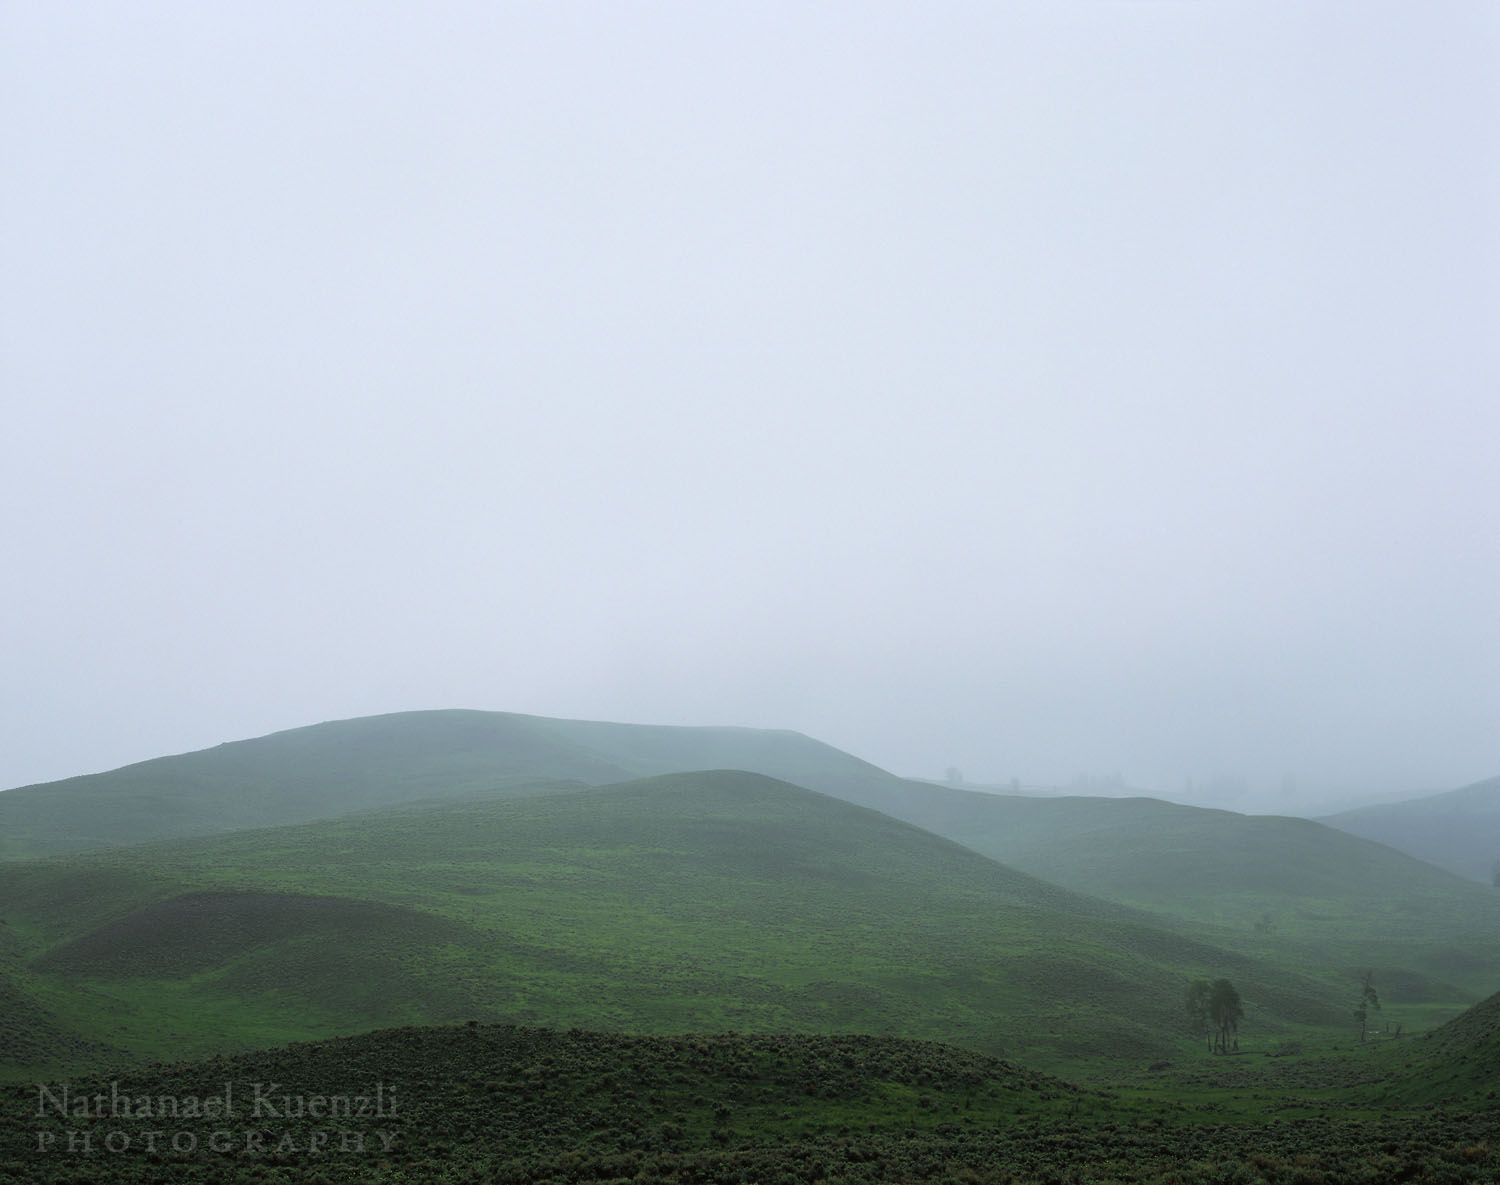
column 720, row 900
column 523, row 1105
column 1459, row 1061
column 1454, row 1066
column 332, row 769
column 1287, row 888
column 31, row 1035
column 1208, row 867
column 517, row 1104
column 1459, row 830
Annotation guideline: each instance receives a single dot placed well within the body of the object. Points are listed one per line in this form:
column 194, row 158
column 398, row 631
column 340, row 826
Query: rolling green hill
column 1459, row 830
column 451, row 867
column 721, row 900
column 1286, row 888
column 1287, row 891
column 332, row 769
column 1208, row 868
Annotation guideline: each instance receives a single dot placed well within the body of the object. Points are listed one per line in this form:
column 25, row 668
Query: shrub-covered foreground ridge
column 482, row 1103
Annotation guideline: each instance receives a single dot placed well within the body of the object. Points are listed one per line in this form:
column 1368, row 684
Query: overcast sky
column 1038, row 389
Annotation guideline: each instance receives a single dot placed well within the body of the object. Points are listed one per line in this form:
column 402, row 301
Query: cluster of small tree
column 1214, row 1012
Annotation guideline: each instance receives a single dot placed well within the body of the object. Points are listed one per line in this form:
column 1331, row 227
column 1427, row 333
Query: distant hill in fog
column 336, row 768
column 1459, row 830
column 1229, row 875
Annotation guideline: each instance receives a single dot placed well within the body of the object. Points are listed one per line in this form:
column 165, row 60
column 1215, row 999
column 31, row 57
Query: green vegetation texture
column 506, row 1104
column 718, row 900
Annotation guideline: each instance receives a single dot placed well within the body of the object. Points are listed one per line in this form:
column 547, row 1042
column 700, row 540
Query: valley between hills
column 590, row 951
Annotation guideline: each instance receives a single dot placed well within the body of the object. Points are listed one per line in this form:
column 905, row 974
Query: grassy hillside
column 1460, row 1060
column 1286, row 888
column 31, row 1035
column 1209, row 868
column 337, row 768
column 501, row 1103
column 1459, row 830
column 521, row 1104
column 706, row 901
column 1284, row 892
column 1454, row 1066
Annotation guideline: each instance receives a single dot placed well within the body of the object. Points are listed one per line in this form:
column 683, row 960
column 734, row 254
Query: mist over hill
column 1276, row 885
column 335, row 768
column 1458, row 830
column 432, row 868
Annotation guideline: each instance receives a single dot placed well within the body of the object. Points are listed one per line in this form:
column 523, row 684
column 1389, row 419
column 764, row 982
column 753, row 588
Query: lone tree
column 1196, row 1004
column 1225, row 1010
column 1367, row 1000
